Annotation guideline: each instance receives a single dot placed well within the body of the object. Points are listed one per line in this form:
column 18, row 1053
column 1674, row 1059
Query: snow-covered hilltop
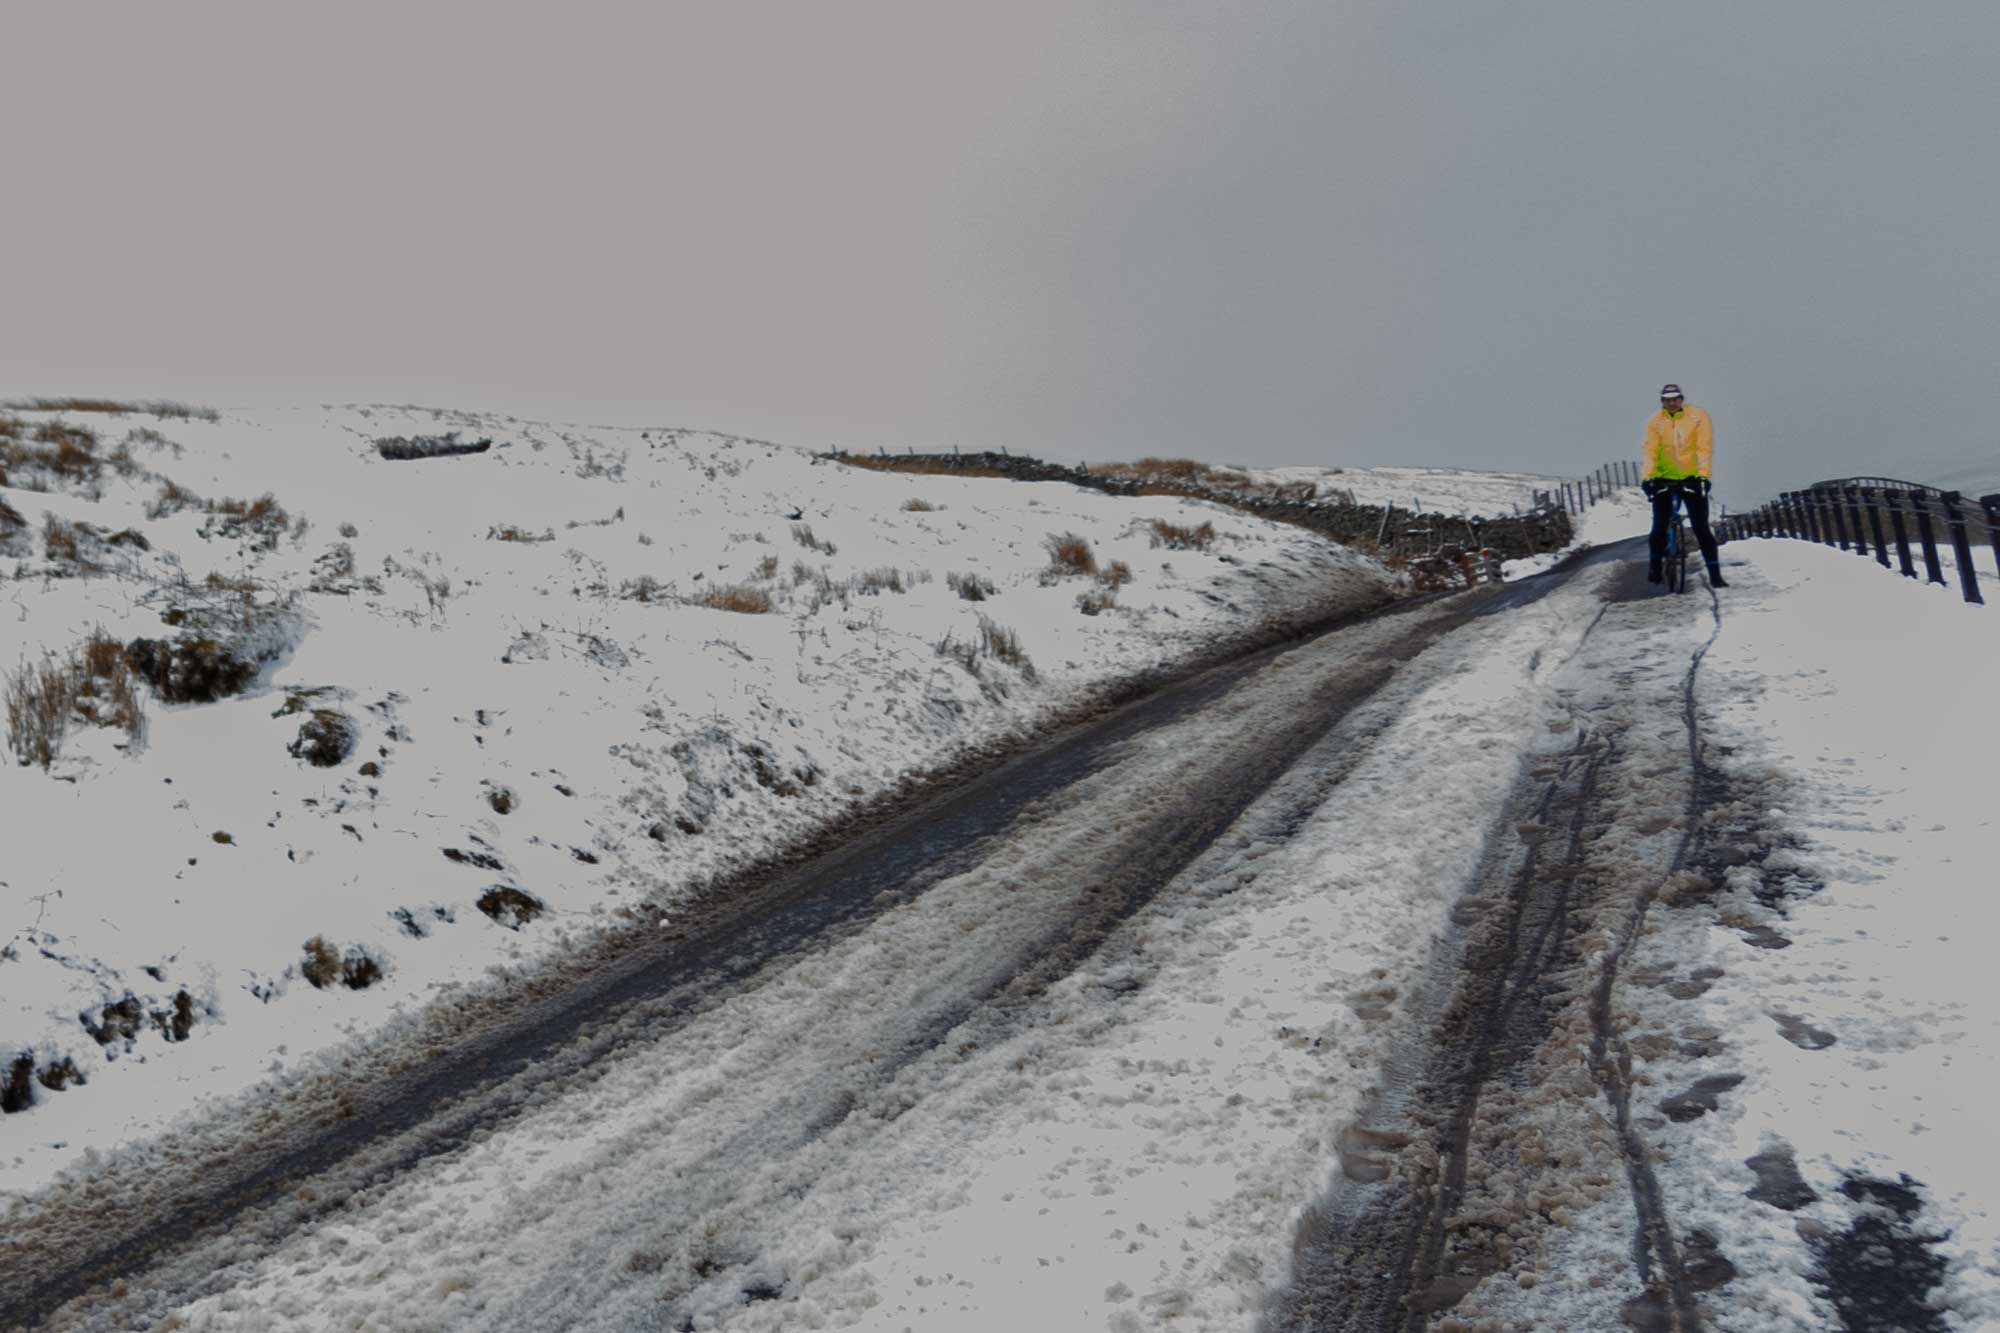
column 372, row 725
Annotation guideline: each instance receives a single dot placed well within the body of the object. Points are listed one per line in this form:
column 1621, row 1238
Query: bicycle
column 1675, row 564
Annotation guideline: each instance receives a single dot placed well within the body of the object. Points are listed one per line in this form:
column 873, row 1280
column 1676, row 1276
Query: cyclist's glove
column 1650, row 486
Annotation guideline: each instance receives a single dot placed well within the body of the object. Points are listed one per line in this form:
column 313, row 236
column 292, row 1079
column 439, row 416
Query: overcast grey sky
column 1474, row 234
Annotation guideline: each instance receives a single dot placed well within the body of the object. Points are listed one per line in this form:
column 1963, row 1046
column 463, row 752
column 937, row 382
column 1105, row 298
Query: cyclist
column 1679, row 442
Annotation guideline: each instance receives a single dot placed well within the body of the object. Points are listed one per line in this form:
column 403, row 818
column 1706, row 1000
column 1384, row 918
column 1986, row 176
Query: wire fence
column 1598, row 484
column 1873, row 516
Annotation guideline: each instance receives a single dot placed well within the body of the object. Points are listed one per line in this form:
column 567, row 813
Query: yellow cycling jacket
column 1678, row 444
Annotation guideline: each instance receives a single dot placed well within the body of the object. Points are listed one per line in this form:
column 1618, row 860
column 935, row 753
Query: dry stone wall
column 1397, row 531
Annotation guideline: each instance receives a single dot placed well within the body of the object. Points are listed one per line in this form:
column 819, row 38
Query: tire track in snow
column 1401, row 1255
column 1668, row 1304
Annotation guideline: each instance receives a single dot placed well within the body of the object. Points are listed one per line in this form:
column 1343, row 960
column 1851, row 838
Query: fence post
column 1925, row 534
column 1961, row 549
column 1831, row 499
column 1869, row 494
column 1991, row 504
column 1790, row 511
column 1802, row 518
column 1894, row 499
column 1767, row 520
column 1853, row 497
column 1822, row 525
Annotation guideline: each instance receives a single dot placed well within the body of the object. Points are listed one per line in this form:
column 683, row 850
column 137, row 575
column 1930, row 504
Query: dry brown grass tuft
column 322, row 963
column 1002, row 644
column 40, row 700
column 70, row 405
column 645, row 588
column 146, row 435
column 802, row 533
column 105, row 686
column 1166, row 472
column 93, row 683
column 61, row 432
column 172, row 499
column 735, row 597
column 60, row 540
column 1096, row 602
column 916, row 506
column 507, row 532
column 1177, row 537
column 880, row 580
column 1116, row 575
column 1187, row 469
column 260, row 512
column 262, row 520
column 1071, row 554
column 114, row 407
column 102, row 654
column 51, row 451
column 971, row 587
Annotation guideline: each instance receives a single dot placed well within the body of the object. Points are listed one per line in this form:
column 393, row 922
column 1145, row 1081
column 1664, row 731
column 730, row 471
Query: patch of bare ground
column 741, row 597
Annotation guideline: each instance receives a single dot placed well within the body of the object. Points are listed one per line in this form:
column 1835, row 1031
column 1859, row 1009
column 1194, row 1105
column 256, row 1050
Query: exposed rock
column 509, row 906
column 326, row 739
column 17, row 1089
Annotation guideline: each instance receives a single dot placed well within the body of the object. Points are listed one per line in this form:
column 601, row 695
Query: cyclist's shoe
column 1653, row 571
column 1715, row 579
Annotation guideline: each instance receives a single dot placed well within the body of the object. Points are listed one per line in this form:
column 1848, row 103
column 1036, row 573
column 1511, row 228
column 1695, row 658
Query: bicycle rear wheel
column 1677, row 560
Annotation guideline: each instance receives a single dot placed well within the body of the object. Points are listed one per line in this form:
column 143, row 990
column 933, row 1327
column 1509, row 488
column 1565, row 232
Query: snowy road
column 765, row 1118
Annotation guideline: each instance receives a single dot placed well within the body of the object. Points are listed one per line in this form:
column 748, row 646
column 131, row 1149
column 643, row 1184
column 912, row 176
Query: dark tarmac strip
column 1395, row 1256
column 232, row 1190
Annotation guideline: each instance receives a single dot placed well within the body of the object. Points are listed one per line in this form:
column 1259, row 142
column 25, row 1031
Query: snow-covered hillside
column 562, row 684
